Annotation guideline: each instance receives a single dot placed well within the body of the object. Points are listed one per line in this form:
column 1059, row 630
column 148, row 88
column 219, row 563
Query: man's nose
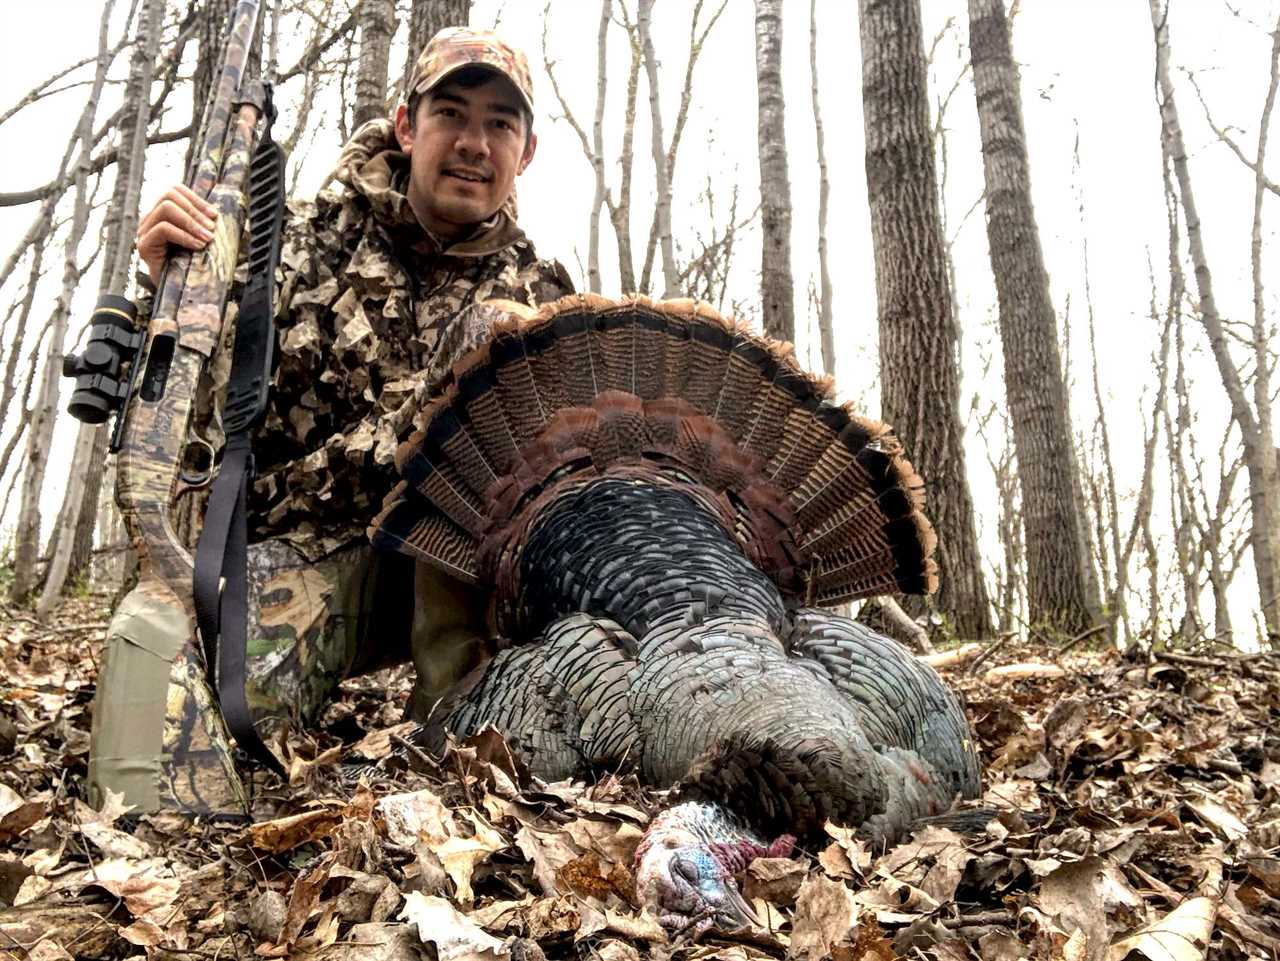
column 472, row 140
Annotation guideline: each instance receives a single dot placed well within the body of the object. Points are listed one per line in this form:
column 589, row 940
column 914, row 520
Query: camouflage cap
column 456, row 47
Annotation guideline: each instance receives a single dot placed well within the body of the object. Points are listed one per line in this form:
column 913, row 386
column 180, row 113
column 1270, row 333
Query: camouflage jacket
column 371, row 311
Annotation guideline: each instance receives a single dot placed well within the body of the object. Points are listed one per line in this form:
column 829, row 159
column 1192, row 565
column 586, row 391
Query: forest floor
column 1156, row 782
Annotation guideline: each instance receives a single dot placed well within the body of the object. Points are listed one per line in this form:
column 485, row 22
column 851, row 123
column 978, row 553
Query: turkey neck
column 639, row 554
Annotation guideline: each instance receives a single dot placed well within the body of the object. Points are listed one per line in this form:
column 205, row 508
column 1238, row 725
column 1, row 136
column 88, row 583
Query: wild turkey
column 654, row 494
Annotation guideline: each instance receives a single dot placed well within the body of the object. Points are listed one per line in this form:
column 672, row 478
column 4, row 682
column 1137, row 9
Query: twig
column 1215, row 663
column 1083, row 635
column 981, row 917
column 416, row 751
column 990, row 649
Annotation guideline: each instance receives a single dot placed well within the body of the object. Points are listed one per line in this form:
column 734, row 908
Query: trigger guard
column 195, row 470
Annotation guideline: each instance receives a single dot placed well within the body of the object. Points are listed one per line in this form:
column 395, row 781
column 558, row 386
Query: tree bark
column 662, row 180
column 426, row 19
column 776, row 285
column 377, row 25
column 826, row 335
column 1259, row 447
column 597, row 147
column 620, row 212
column 72, row 541
column 919, row 372
column 1058, row 594
column 40, row 435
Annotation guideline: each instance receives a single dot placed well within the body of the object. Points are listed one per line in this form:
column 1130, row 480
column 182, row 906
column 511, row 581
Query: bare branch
column 826, row 334
column 96, row 166
column 662, row 208
column 317, row 50
column 1260, row 460
column 1222, row 134
column 42, row 90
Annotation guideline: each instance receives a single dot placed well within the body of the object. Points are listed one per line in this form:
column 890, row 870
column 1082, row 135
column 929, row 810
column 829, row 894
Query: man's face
column 465, row 151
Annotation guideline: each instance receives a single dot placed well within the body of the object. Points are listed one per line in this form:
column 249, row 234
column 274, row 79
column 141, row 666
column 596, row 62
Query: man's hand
column 179, row 217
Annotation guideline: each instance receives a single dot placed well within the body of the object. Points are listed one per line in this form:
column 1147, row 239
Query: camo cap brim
column 456, row 47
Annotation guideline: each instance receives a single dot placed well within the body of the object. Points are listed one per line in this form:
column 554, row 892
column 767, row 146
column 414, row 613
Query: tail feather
column 821, row 498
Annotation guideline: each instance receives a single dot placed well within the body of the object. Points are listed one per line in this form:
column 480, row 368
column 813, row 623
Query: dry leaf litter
column 1140, row 800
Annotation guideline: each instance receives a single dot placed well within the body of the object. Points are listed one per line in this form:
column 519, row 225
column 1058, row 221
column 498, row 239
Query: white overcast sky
column 1087, row 70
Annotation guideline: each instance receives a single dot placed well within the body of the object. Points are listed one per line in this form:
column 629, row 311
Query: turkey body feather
column 666, row 652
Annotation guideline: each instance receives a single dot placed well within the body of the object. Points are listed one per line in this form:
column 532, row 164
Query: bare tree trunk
column 73, row 534
column 426, row 19
column 919, row 372
column 1105, row 497
column 620, row 212
column 1264, row 491
column 662, row 214
column 1153, row 575
column 776, row 286
column 1222, row 545
column 1254, row 424
column 1188, row 546
column 597, row 147
column 593, row 147
column 1141, row 522
column 40, row 435
column 21, row 429
column 8, row 391
column 1058, row 592
column 377, row 25
column 644, row 14
column 826, row 334
column 1009, row 582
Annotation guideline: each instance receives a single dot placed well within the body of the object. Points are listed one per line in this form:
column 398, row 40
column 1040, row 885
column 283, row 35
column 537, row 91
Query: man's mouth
column 470, row 176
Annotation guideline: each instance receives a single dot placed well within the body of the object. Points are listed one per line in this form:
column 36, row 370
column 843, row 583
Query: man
column 382, row 289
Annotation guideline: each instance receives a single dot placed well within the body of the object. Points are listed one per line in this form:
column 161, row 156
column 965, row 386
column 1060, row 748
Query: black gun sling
column 221, row 577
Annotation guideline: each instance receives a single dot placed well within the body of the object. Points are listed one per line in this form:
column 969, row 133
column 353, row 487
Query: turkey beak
column 736, row 909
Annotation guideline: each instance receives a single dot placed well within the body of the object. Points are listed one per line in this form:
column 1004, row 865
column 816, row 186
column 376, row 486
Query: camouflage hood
column 373, row 166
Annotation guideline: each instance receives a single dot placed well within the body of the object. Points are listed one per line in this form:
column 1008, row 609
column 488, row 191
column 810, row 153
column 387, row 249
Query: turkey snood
column 662, row 648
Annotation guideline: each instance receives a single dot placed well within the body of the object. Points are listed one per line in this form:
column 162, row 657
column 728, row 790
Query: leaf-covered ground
column 1155, row 781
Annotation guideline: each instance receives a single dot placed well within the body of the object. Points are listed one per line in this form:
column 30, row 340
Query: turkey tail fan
column 670, row 392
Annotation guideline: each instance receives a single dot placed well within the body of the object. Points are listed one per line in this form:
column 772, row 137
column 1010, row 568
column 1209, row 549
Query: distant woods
column 1043, row 530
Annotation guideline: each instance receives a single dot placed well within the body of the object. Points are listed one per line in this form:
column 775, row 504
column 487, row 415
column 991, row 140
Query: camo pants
column 311, row 624
column 314, row 623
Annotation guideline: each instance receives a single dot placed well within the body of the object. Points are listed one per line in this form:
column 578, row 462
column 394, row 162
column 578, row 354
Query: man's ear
column 528, row 153
column 404, row 130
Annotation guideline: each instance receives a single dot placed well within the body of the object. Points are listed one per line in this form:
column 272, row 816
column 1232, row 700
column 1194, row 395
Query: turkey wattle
column 654, row 496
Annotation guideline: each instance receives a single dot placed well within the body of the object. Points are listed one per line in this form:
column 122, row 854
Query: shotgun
column 158, row 736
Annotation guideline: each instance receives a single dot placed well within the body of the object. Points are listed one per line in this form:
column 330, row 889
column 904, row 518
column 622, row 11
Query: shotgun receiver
column 158, row 736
